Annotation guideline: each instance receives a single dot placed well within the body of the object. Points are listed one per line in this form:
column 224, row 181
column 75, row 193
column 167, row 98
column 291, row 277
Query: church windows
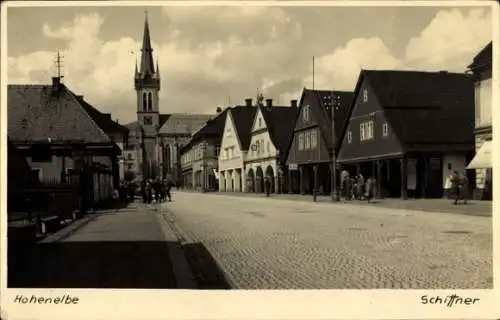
column 144, row 102
column 148, row 121
column 150, row 102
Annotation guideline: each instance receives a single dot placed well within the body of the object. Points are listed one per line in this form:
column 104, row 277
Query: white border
column 243, row 304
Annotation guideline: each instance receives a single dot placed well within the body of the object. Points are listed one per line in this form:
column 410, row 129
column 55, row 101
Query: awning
column 482, row 159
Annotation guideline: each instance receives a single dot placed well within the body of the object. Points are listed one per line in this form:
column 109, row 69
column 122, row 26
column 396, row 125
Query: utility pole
column 334, row 106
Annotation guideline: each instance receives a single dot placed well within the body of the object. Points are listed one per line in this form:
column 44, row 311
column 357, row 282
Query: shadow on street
column 135, row 265
column 107, row 265
column 205, row 269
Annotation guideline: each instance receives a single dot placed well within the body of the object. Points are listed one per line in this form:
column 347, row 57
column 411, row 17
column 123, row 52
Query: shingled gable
column 423, row 109
column 243, row 119
column 35, row 114
column 280, row 123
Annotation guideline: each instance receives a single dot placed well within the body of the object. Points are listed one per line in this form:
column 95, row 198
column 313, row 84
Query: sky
column 210, row 57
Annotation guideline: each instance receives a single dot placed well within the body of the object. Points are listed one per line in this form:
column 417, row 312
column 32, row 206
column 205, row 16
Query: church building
column 156, row 138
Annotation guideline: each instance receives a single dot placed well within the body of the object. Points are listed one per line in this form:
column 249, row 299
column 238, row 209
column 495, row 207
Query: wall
column 51, row 171
column 456, row 163
column 483, row 102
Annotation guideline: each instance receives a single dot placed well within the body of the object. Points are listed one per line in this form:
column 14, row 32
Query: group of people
column 356, row 187
column 126, row 191
column 158, row 189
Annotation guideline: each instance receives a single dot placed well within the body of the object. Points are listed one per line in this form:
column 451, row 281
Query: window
column 148, row 121
column 366, row 130
column 129, row 156
column 349, row 136
column 385, row 129
column 260, row 122
column 306, row 112
column 268, row 147
column 365, row 95
column 130, row 167
column 314, row 137
column 308, row 139
column 150, row 102
column 217, row 151
column 226, row 153
column 301, row 140
column 258, row 146
column 144, row 102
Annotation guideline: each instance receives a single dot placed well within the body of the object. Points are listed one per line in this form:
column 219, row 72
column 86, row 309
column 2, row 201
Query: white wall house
column 262, row 158
column 231, row 159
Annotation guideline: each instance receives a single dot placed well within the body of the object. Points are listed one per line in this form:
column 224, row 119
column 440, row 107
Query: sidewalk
column 475, row 208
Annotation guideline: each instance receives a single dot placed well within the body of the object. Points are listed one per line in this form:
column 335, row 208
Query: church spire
column 147, row 63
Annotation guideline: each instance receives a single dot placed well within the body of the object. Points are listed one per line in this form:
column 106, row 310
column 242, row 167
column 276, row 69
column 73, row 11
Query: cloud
column 204, row 60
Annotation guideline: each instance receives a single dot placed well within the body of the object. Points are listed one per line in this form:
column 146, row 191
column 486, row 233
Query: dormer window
column 260, row 122
column 349, row 136
column 385, row 129
column 365, row 95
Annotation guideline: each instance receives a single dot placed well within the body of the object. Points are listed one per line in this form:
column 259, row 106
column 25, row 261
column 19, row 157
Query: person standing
column 360, row 187
column 455, row 186
column 168, row 188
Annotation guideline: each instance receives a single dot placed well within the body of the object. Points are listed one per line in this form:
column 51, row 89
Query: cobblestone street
column 265, row 243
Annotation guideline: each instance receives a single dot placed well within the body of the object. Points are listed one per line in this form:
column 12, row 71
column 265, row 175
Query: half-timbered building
column 319, row 121
column 410, row 130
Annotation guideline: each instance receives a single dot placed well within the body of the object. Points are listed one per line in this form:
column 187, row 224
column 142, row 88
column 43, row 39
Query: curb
column 184, row 276
column 184, row 238
column 69, row 230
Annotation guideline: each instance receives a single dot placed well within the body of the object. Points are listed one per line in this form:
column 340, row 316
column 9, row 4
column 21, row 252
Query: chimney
column 248, row 102
column 218, row 110
column 269, row 103
column 107, row 115
column 79, row 97
column 293, row 103
column 56, row 84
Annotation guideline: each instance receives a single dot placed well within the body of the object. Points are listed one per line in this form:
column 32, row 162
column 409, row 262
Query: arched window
column 150, row 102
column 144, row 102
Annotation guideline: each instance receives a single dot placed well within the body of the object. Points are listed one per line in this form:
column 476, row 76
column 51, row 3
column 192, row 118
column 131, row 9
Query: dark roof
column 35, row 113
column 243, row 120
column 280, row 121
column 424, row 107
column 103, row 120
column 483, row 58
column 213, row 128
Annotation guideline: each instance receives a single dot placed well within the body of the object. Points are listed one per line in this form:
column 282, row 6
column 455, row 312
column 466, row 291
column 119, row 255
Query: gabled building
column 53, row 130
column 309, row 156
column 234, row 147
column 155, row 138
column 199, row 157
column 271, row 133
column 481, row 68
column 116, row 132
column 410, row 130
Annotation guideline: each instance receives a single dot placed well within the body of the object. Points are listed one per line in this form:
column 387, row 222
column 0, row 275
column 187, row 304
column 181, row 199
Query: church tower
column 147, row 87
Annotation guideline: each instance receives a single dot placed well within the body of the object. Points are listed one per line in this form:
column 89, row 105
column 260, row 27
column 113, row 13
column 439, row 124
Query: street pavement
column 126, row 248
column 269, row 243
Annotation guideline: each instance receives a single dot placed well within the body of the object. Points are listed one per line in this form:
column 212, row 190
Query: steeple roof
column 147, row 63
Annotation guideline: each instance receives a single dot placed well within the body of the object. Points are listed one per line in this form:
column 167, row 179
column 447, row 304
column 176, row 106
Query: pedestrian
column 360, row 187
column 149, row 192
column 157, row 190
column 464, row 189
column 369, row 189
column 344, row 182
column 144, row 191
column 455, row 186
column 267, row 183
column 131, row 192
column 168, row 188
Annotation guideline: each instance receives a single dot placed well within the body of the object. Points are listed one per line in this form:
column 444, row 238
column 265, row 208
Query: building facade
column 234, row 147
column 155, row 138
column 481, row 68
column 309, row 159
column 271, row 132
column 410, row 130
